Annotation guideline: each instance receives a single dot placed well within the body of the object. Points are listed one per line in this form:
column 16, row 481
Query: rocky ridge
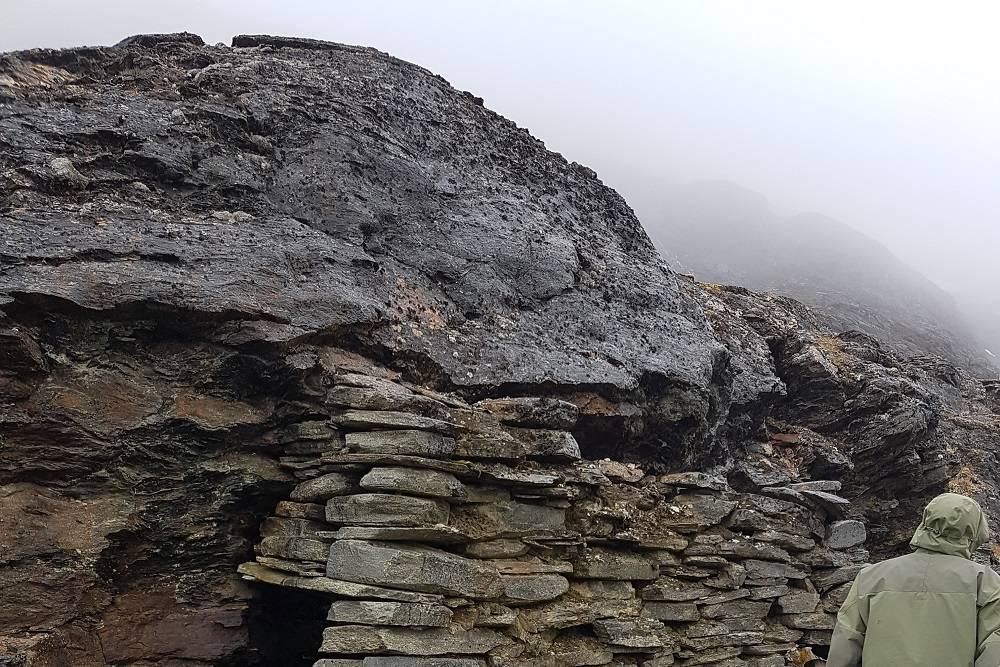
column 223, row 269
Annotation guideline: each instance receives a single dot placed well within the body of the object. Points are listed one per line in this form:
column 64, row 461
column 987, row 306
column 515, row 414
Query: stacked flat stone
column 456, row 535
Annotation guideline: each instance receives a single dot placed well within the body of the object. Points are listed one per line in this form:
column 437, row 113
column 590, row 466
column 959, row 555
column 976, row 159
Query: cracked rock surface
column 219, row 265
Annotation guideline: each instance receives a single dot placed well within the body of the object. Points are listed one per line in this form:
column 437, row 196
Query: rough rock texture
column 219, row 266
column 656, row 569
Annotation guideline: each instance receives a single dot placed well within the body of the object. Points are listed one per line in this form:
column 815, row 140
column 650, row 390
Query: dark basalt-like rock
column 233, row 281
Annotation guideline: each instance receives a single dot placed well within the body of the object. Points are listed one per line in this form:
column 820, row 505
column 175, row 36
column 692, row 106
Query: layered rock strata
column 517, row 551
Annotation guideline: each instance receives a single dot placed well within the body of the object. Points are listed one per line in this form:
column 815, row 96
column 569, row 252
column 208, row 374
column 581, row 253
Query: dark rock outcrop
column 220, row 265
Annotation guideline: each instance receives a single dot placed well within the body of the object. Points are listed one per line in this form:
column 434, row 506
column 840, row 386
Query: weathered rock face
column 289, row 189
column 556, row 562
column 265, row 304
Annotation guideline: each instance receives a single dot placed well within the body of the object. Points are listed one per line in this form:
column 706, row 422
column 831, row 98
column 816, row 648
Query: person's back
column 934, row 607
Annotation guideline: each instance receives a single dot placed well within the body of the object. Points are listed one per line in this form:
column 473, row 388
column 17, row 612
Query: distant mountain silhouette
column 724, row 233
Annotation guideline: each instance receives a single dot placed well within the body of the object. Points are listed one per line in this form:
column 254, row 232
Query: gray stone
column 297, row 567
column 382, row 396
column 493, row 615
column 671, row 611
column 690, row 512
column 301, row 510
column 274, row 526
column 715, row 657
column 730, row 639
column 363, row 639
column 809, row 621
column 404, row 442
column 413, row 568
column 769, row 660
column 433, row 483
column 549, row 445
column 499, row 548
column 258, row 572
column 798, row 602
column 727, row 596
column 740, row 547
column 426, row 534
column 363, row 462
column 601, row 563
column 762, row 569
column 824, row 580
column 668, row 589
column 389, row 613
column 324, row 487
column 786, row 540
column 711, row 562
column 294, row 548
column 834, row 505
column 639, row 633
column 507, row 518
column 705, row 628
column 538, row 412
column 529, row 588
column 410, row 661
column 768, row 592
column 390, row 420
column 737, row 609
column 845, row 534
column 828, row 485
column 532, row 566
column 834, row 598
column 729, row 578
column 338, row 662
column 585, row 602
column 382, row 509
column 695, row 480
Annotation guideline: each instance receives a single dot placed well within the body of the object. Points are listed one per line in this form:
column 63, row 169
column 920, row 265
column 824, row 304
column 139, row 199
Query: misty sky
column 883, row 114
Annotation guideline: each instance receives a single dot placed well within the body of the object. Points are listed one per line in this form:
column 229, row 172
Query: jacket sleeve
column 988, row 621
column 849, row 633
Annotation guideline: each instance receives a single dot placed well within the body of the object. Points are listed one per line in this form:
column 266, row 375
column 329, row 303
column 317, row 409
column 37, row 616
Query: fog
column 885, row 115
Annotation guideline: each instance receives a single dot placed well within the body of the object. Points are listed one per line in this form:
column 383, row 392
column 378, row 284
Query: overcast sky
column 884, row 114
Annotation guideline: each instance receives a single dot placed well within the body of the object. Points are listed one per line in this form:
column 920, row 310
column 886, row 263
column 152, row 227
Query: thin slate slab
column 413, row 568
column 350, row 589
column 324, row 487
column 405, row 442
column 391, row 420
column 384, row 509
column 431, row 483
column 363, row 612
column 422, row 534
column 362, row 639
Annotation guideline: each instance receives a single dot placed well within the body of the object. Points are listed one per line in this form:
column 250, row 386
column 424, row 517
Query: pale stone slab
column 532, row 411
column 363, row 612
column 600, row 563
column 528, row 588
column 390, row 420
column 324, row 487
column 425, row 534
column 382, row 509
column 432, row 483
column 845, row 534
column 349, row 589
column 362, row 639
column 413, row 568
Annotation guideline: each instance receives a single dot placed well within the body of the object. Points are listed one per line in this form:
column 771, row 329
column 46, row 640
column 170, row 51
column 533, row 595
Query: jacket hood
column 953, row 525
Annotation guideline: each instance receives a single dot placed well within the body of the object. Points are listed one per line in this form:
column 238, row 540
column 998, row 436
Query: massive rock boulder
column 226, row 273
column 187, row 231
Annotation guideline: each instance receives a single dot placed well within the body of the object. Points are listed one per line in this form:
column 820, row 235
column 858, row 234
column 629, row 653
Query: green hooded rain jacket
column 933, row 607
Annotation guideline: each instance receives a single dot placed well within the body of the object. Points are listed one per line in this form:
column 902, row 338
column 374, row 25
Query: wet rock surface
column 241, row 286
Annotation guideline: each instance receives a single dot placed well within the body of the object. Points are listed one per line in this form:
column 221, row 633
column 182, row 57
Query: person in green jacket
column 934, row 607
